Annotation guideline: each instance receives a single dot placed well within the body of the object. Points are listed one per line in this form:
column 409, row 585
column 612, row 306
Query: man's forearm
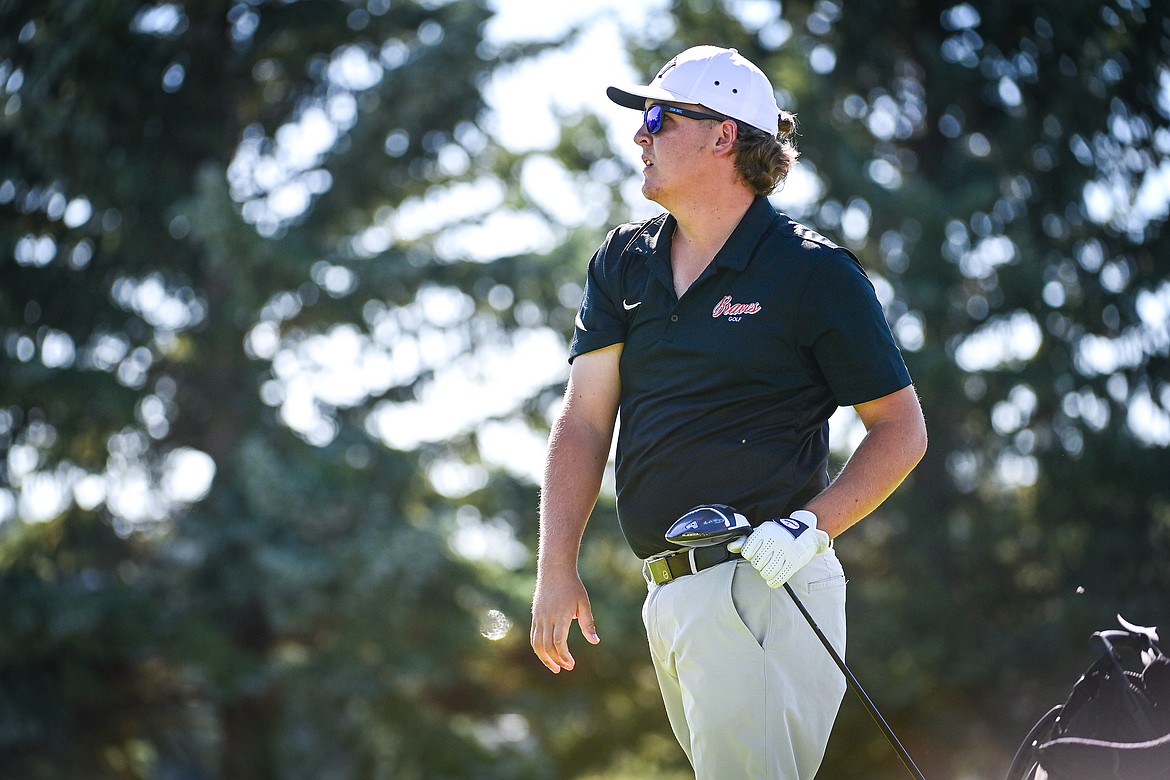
column 869, row 478
column 894, row 443
column 573, row 471
column 572, row 481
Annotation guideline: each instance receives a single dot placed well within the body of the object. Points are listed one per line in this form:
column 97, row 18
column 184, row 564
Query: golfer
column 724, row 334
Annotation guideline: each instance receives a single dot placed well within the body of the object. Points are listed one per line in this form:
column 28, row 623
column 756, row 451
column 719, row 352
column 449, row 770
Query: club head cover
column 706, row 525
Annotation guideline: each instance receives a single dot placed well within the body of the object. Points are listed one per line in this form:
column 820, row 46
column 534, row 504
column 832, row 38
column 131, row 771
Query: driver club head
column 707, row 525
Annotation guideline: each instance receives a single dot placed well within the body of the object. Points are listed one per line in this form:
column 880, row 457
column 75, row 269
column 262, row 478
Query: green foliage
column 173, row 281
column 305, row 617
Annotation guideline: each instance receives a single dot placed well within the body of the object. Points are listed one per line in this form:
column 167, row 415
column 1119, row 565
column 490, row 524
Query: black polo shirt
column 727, row 392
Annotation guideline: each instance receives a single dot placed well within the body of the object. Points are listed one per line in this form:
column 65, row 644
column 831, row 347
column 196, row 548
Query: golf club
column 717, row 524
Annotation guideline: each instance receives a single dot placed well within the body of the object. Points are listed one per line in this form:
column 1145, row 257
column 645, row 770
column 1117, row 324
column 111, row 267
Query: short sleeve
column 844, row 328
column 600, row 320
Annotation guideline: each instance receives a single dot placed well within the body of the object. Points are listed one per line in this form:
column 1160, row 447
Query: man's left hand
column 778, row 548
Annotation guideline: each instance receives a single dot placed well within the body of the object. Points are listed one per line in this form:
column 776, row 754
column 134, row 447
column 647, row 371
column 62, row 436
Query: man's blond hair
column 762, row 160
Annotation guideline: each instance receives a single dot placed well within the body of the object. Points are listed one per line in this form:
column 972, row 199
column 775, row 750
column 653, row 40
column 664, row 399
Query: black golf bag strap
column 1026, row 757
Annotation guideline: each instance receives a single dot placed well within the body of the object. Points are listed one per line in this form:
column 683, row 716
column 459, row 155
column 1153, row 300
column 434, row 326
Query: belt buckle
column 656, row 571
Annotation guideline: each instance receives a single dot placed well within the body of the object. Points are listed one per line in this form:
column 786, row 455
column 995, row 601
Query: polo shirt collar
column 738, row 249
column 655, row 237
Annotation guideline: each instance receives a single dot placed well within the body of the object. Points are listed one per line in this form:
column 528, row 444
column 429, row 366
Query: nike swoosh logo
column 628, row 306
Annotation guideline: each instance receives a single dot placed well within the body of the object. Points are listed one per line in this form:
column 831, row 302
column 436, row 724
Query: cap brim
column 635, row 97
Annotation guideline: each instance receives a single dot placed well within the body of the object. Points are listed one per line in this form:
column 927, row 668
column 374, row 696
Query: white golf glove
column 777, row 548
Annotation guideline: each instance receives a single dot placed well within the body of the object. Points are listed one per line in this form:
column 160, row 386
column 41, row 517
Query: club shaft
column 857, row 689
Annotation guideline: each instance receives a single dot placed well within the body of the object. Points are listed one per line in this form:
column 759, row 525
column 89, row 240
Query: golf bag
column 1115, row 724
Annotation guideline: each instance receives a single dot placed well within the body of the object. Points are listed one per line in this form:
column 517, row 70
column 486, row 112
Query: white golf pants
column 749, row 689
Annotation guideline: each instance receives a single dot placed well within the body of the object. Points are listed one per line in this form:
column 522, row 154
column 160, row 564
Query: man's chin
column 651, row 191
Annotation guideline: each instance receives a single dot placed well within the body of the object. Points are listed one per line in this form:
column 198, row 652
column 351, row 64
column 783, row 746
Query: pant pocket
column 751, row 601
column 822, row 573
column 833, row 581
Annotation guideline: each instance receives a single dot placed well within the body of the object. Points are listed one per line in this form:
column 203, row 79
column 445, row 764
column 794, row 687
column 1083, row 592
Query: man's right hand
column 555, row 605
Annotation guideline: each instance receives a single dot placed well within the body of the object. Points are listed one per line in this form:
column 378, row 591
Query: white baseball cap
column 721, row 79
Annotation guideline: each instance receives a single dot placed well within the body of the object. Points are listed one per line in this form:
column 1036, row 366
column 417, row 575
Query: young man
column 726, row 335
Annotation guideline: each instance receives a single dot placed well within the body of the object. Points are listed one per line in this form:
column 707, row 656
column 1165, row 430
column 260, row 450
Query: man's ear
column 728, row 134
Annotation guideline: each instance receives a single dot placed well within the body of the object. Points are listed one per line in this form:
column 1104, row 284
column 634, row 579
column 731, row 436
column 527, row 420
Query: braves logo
column 735, row 311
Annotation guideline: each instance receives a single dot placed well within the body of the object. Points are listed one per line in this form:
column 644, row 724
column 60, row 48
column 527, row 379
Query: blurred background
column 285, row 295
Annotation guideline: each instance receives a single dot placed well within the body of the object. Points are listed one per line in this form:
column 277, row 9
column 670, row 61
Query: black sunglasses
column 652, row 117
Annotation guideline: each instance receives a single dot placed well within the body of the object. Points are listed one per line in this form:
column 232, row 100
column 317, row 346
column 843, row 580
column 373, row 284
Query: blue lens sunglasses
column 652, row 117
